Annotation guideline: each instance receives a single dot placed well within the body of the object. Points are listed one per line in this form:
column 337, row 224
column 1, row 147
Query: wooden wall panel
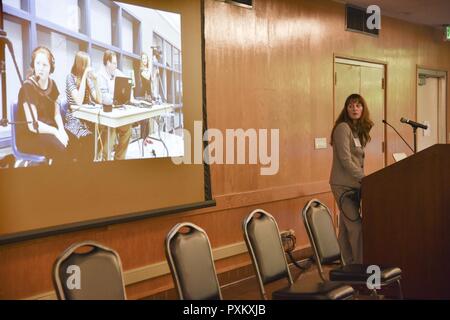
column 270, row 67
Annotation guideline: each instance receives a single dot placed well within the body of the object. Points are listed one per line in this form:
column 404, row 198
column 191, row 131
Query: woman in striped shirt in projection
column 81, row 88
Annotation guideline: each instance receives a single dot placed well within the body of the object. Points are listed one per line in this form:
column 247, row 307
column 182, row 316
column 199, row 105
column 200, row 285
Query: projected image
column 102, row 82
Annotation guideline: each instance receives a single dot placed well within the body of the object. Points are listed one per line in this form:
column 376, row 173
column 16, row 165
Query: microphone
column 385, row 122
column 414, row 124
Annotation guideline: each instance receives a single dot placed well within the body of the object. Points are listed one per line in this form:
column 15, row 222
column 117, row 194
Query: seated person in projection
column 106, row 79
column 42, row 129
column 81, row 88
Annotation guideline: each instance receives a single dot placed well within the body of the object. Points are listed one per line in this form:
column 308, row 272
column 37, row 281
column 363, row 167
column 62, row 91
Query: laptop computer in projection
column 122, row 90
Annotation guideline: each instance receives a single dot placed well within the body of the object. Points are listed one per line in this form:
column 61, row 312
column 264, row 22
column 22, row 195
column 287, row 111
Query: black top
column 143, row 87
column 43, row 100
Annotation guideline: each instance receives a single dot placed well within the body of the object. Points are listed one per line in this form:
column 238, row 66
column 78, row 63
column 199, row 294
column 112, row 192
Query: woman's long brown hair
column 80, row 63
column 362, row 126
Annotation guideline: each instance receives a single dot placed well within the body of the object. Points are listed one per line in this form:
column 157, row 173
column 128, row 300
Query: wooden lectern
column 406, row 221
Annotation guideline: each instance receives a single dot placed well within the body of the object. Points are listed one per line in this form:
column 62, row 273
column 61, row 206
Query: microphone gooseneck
column 385, row 122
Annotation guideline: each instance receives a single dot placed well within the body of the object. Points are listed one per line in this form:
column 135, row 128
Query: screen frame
column 134, row 216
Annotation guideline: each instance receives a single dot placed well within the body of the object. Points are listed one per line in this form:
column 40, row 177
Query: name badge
column 357, row 143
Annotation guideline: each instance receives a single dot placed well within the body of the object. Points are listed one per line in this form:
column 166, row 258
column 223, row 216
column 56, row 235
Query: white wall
column 64, row 13
column 101, row 22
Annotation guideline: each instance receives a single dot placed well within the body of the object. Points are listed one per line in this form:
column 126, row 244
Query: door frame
column 365, row 62
column 436, row 73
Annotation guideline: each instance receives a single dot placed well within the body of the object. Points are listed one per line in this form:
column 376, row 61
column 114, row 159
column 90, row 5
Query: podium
column 406, row 221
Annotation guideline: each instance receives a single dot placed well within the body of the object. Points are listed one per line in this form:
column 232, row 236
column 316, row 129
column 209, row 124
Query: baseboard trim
column 233, row 277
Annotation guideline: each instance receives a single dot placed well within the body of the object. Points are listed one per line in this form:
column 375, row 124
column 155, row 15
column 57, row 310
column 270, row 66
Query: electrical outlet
column 320, row 143
column 287, row 233
column 288, row 240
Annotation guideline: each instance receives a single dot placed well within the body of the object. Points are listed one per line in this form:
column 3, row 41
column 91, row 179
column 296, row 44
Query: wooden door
column 347, row 81
column 372, row 89
column 427, row 112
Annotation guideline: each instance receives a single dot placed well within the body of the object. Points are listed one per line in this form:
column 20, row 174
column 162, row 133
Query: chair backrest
column 264, row 244
column 17, row 153
column 63, row 106
column 89, row 275
column 191, row 262
column 320, row 229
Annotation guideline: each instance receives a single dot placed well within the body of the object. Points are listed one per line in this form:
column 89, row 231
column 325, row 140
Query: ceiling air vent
column 356, row 20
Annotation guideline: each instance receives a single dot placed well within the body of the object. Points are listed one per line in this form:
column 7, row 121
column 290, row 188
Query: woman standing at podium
column 349, row 137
